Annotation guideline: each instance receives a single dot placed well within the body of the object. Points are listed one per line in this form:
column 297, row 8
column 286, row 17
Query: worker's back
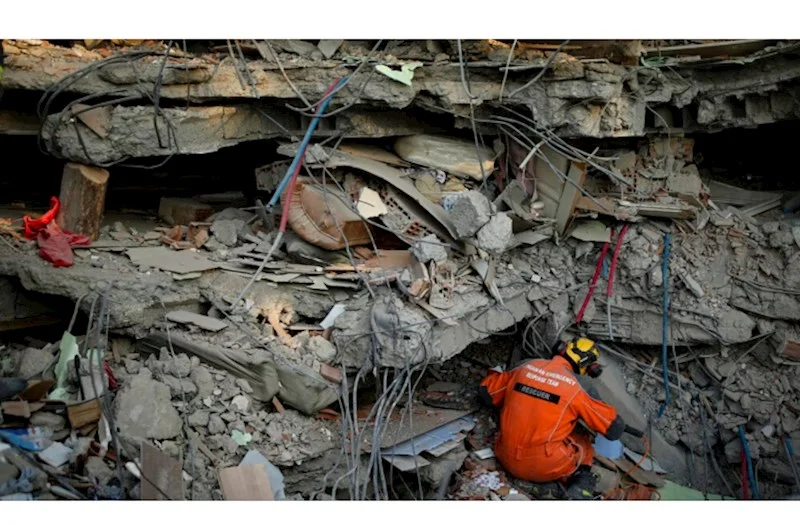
column 538, row 403
column 541, row 403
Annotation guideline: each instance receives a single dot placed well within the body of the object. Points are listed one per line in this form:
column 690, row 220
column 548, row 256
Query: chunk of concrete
column 304, row 389
column 144, row 410
column 470, row 212
column 33, row 362
column 440, row 468
column 321, row 348
column 227, row 231
column 429, row 248
column 204, row 381
column 496, row 235
column 201, row 321
column 97, row 468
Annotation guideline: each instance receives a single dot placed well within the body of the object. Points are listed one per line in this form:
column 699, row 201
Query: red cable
column 593, row 284
column 613, row 269
column 745, row 481
column 293, row 182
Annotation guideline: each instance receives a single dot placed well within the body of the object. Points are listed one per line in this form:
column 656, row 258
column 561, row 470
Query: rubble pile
column 304, row 335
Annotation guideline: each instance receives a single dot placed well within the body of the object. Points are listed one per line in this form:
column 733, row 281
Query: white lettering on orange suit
column 553, row 375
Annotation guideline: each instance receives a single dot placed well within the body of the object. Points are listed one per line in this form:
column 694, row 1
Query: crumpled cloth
column 55, row 244
column 21, row 484
column 34, row 226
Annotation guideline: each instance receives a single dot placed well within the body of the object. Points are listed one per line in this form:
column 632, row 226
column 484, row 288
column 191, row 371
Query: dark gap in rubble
column 227, row 171
column 755, row 159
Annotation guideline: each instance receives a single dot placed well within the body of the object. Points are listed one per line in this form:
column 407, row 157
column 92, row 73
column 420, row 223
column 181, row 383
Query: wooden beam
column 83, row 199
column 15, row 123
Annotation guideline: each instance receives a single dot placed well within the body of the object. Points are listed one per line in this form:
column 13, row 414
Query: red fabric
column 55, row 245
column 34, row 226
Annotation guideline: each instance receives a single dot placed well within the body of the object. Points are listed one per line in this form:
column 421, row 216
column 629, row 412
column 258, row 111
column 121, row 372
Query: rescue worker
column 541, row 402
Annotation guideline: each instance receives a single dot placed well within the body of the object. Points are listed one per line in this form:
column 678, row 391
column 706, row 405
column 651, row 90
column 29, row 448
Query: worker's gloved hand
column 633, row 432
column 484, row 398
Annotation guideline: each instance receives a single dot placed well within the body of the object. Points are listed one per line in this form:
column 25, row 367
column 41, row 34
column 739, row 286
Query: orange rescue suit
column 541, row 402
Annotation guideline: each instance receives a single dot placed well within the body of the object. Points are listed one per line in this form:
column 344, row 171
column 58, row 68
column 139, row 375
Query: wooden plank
column 790, row 350
column 37, row 390
column 164, row 472
column 28, row 322
column 728, row 48
column 638, row 475
column 16, row 409
column 84, row 413
column 245, row 483
column 15, row 123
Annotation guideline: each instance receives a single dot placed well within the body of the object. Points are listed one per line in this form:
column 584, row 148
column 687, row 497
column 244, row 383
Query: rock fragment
column 215, row 424
column 144, row 410
column 33, row 362
column 496, row 235
column 203, row 380
column 321, row 348
column 199, row 418
column 226, row 231
column 429, row 248
column 471, row 210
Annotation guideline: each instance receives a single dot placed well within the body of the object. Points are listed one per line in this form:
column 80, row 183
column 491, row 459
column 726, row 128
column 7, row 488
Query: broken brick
column 331, row 373
column 183, row 211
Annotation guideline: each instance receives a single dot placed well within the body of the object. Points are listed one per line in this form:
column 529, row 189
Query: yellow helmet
column 582, row 353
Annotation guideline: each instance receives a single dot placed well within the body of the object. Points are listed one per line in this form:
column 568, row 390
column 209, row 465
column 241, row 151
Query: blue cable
column 750, row 475
column 664, row 320
column 303, row 146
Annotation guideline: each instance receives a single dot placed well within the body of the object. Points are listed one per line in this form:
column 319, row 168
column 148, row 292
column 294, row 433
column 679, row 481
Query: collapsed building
column 302, row 254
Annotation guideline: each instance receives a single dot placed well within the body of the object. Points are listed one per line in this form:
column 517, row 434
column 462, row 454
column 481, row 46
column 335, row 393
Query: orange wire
column 627, row 489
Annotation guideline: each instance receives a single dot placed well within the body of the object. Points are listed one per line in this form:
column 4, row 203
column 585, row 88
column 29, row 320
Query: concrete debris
column 463, row 241
column 429, row 248
column 227, row 231
column 34, row 361
column 495, row 236
column 469, row 212
column 321, row 348
column 144, row 410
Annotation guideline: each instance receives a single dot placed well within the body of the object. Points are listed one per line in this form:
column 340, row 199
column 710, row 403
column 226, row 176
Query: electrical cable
column 542, row 72
column 593, row 282
column 611, row 273
column 749, row 463
column 505, row 72
column 294, row 167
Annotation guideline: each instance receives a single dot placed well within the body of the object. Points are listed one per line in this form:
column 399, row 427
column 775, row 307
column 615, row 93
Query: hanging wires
column 310, row 107
column 542, row 72
column 505, row 71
